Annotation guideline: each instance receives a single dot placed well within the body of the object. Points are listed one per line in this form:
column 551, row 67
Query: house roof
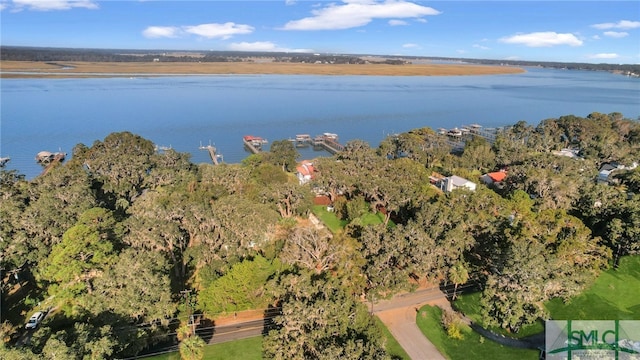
column 459, row 181
column 305, row 168
column 497, row 176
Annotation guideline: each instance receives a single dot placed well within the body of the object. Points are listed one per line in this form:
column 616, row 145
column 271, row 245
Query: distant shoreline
column 76, row 69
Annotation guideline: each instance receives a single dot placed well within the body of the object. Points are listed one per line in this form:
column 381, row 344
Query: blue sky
column 568, row 31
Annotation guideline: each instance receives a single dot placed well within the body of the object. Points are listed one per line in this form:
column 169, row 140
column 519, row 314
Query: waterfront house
column 304, row 171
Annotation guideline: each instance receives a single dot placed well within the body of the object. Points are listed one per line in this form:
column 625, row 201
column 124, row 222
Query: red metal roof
column 497, row 176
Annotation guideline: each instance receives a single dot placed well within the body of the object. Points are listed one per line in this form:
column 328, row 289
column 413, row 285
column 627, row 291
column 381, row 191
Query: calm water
column 184, row 112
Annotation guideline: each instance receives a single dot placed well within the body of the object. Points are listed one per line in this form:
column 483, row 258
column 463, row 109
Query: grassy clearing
column 328, row 218
column 473, row 346
column 96, row 69
column 615, row 295
column 246, row 349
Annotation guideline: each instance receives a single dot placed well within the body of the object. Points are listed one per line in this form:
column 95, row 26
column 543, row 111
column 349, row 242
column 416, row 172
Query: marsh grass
column 115, row 69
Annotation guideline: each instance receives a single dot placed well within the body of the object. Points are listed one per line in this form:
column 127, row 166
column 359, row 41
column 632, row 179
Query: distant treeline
column 20, row 53
column 625, row 68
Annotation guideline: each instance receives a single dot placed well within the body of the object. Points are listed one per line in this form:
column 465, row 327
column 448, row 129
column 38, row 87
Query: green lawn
column 473, row 346
column 245, row 349
column 334, row 224
column 329, row 218
column 615, row 295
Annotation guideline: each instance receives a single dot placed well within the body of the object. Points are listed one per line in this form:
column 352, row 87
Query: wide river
column 189, row 111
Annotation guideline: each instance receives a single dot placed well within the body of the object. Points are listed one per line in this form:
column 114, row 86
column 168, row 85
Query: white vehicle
column 34, row 320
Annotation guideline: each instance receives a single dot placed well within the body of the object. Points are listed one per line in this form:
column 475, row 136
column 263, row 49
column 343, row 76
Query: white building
column 453, row 182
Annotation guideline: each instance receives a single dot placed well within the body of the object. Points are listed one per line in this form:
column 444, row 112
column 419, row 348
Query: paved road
column 398, row 314
column 235, row 331
column 402, row 325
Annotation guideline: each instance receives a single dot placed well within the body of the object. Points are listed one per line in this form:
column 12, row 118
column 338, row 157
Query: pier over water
column 212, row 153
column 329, row 142
column 253, row 143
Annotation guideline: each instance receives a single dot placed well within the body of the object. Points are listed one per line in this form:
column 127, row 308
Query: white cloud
column 477, row 46
column 356, row 13
column 50, row 5
column 3, row 6
column 209, row 31
column 512, row 58
column 263, row 46
column 410, row 46
column 223, row 31
column 622, row 24
column 461, row 51
column 154, row 32
column 604, row 56
column 421, row 20
column 395, row 22
column 542, row 39
column 596, row 37
column 615, row 34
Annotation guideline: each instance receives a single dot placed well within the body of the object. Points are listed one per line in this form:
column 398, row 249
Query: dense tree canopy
column 112, row 239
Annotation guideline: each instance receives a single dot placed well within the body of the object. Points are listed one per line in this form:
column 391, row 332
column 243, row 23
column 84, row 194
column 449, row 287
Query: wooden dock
column 253, row 143
column 212, row 153
column 457, row 137
column 49, row 160
column 302, row 140
column 328, row 142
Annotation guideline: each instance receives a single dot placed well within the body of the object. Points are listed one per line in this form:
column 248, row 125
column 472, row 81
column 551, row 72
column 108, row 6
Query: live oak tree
column 387, row 259
column 121, row 163
column 312, row 249
column 85, row 251
column 55, row 202
column 137, row 287
column 290, row 199
column 319, row 320
column 538, row 256
column 240, row 288
column 284, row 154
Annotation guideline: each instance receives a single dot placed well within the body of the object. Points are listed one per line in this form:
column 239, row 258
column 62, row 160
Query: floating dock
column 253, row 143
column 329, row 142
